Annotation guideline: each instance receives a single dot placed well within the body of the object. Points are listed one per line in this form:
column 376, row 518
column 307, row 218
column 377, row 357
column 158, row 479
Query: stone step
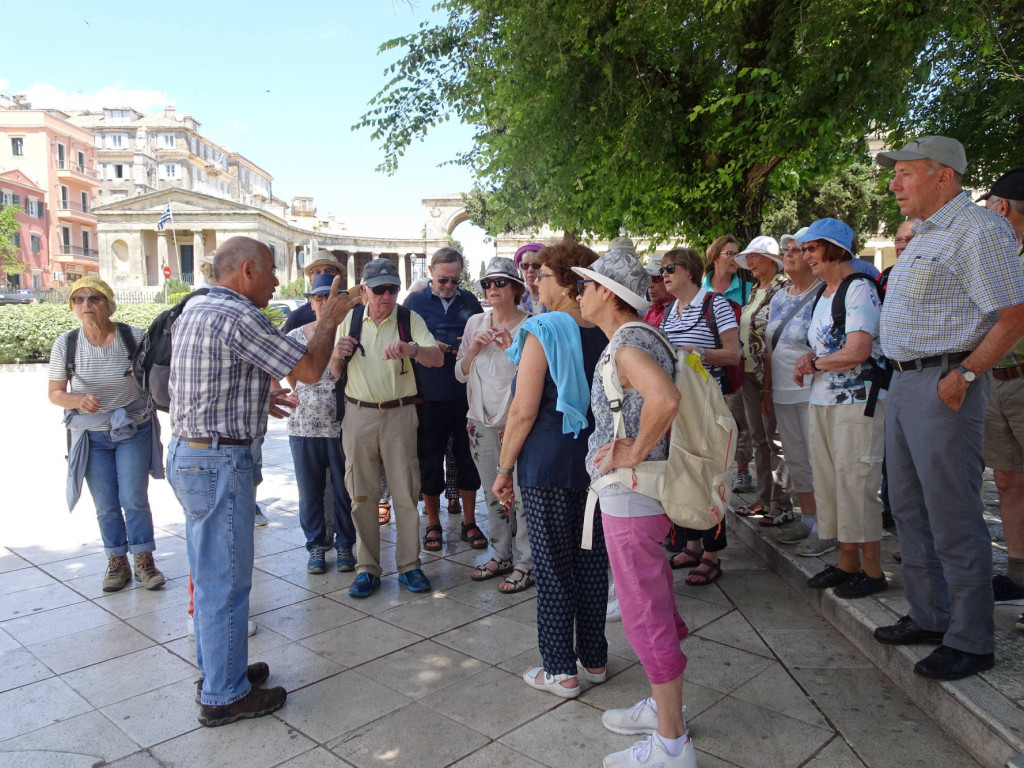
column 982, row 712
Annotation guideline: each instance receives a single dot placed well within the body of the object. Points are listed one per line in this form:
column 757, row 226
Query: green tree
column 666, row 119
column 9, row 252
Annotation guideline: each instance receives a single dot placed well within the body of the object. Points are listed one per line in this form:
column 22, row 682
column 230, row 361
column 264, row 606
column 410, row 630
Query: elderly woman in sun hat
column 485, row 369
column 762, row 258
column 115, row 439
column 526, row 260
column 610, row 294
column 846, row 439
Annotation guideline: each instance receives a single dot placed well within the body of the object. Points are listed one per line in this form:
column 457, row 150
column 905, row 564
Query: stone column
column 162, row 251
column 198, row 249
column 351, row 277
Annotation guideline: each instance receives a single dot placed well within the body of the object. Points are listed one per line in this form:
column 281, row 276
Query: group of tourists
column 852, row 372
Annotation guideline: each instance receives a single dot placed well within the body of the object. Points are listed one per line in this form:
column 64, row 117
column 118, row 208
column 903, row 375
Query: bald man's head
column 234, row 253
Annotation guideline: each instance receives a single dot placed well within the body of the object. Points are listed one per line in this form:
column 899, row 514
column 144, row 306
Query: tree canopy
column 669, row 120
column 10, row 261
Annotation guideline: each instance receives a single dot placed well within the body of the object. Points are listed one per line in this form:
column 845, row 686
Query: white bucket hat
column 762, row 245
column 621, row 273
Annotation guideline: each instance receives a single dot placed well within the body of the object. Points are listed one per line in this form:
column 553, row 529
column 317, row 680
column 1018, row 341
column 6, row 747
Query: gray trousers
column 934, row 461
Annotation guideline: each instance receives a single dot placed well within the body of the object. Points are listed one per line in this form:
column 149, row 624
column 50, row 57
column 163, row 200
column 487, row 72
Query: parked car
column 285, row 306
column 17, row 298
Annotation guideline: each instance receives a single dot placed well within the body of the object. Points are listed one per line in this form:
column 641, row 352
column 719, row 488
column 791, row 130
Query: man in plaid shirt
column 224, row 353
column 954, row 306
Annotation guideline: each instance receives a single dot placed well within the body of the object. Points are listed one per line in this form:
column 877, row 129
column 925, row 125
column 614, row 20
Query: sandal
column 474, row 536
column 510, row 585
column 432, row 543
column 778, row 516
column 693, row 562
column 699, row 578
column 483, row 572
column 383, row 513
column 754, row 510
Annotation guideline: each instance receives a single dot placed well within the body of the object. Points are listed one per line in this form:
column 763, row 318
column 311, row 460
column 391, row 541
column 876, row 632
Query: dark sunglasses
column 497, row 282
column 669, row 269
column 525, row 265
column 657, row 278
column 93, row 300
column 581, row 285
column 446, row 280
column 380, row 290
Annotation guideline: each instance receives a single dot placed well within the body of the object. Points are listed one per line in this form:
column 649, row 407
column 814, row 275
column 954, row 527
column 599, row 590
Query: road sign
column 167, row 273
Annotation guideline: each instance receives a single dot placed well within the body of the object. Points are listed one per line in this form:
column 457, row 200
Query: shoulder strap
column 70, row 348
column 839, row 300
column 404, row 320
column 744, row 291
column 792, row 313
column 709, row 315
column 355, row 328
column 128, row 338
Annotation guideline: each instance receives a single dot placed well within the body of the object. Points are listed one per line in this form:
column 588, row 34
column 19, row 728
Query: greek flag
column 165, row 217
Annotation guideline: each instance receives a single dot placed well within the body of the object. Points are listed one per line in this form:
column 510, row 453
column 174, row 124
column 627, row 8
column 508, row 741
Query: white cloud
column 44, row 96
column 4, row 83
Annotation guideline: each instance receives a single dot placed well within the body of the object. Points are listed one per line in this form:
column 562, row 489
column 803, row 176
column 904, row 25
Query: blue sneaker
column 415, row 580
column 316, row 562
column 346, row 561
column 364, row 585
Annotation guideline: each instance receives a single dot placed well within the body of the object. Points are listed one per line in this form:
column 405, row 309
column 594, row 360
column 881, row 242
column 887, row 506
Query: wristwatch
column 415, row 349
column 967, row 373
column 700, row 353
column 503, row 471
column 814, row 363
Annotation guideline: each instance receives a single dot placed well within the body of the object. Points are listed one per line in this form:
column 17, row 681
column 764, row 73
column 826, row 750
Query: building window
column 167, row 140
column 61, row 156
column 16, row 240
column 17, row 147
column 37, row 282
column 64, row 198
column 81, row 161
column 118, row 171
column 85, row 202
column 16, row 201
column 85, row 242
column 65, row 234
column 5, row 197
column 115, row 140
column 169, row 170
column 34, row 240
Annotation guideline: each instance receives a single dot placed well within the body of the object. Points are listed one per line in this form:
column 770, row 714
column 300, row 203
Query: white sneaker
column 191, row 628
column 640, row 718
column 651, row 754
column 614, row 612
column 591, row 677
column 552, row 683
column 261, row 519
column 813, row 546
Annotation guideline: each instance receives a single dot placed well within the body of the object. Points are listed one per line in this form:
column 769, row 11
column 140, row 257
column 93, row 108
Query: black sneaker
column 257, row 703
column 256, row 673
column 830, row 577
column 1005, row 589
column 861, row 585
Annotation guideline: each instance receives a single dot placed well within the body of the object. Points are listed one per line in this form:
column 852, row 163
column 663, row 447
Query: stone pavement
column 90, row 679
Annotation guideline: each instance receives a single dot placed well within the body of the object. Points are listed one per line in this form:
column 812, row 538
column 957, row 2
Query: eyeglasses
column 380, row 290
column 93, row 300
column 498, row 282
column 318, row 297
column 658, row 278
column 809, row 248
column 446, row 280
column 581, row 286
column 542, row 276
column 525, row 265
column 730, row 254
column 668, row 269
column 901, row 240
column 326, row 271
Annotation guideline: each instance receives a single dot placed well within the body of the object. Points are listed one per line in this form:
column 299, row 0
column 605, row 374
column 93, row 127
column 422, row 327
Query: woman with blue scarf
column 546, row 435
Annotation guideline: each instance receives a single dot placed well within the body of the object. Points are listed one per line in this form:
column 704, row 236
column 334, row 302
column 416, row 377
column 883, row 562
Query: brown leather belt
column 1004, row 374
column 387, row 404
column 199, row 443
column 947, row 360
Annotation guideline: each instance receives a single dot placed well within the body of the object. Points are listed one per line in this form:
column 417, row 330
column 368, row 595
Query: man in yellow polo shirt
column 379, row 427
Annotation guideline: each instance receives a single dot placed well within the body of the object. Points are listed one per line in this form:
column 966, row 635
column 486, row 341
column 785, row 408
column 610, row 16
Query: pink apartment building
column 16, row 189
column 58, row 159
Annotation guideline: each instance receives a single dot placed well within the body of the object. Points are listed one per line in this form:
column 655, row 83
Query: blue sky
column 280, row 83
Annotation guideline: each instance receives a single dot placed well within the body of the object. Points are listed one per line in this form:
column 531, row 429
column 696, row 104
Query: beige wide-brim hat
column 621, row 273
column 324, row 257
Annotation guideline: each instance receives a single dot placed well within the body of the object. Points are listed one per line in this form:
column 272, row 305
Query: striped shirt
column 944, row 292
column 224, row 352
column 691, row 329
column 99, row 371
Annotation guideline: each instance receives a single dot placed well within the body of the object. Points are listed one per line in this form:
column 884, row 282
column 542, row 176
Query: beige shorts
column 1004, row 426
column 847, row 448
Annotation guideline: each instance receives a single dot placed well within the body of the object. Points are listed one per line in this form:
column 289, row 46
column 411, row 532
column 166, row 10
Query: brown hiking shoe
column 257, row 674
column 118, row 574
column 146, row 572
column 257, row 703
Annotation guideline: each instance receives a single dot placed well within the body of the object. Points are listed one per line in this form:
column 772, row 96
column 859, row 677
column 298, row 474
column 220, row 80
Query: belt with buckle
column 199, row 443
column 1004, row 374
column 386, row 404
column 946, row 361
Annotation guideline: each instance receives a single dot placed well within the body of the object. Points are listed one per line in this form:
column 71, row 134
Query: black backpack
column 151, row 363
column 404, row 319
column 878, row 375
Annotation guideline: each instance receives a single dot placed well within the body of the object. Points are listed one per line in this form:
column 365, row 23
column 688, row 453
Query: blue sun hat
column 321, row 284
column 832, row 230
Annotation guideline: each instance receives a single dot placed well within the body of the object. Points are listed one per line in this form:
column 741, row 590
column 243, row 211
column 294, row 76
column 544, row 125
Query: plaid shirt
column 224, row 352
column 945, row 289
column 1015, row 357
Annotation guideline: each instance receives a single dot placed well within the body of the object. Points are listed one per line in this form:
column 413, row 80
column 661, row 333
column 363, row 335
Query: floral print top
column 316, row 414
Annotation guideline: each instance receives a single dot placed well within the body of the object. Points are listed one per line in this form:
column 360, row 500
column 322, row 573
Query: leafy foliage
column 664, row 119
column 176, row 288
column 296, row 289
column 9, row 261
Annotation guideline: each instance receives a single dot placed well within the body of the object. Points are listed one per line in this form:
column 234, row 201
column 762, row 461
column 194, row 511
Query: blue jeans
column 312, row 457
column 215, row 488
column 118, row 479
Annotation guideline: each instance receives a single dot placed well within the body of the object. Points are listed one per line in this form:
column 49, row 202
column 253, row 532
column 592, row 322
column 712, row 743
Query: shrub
column 296, row 289
column 27, row 332
column 175, row 286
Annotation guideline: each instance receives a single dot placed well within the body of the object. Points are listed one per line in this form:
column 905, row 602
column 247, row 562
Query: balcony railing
column 66, row 205
column 77, row 250
column 67, row 165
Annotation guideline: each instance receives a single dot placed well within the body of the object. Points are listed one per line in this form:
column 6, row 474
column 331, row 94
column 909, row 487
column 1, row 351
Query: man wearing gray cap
column 325, row 263
column 1004, row 418
column 379, row 426
column 954, row 307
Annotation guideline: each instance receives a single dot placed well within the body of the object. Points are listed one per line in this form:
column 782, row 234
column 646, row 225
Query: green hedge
column 27, row 332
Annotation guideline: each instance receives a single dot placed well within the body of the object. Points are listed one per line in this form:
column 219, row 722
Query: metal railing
column 67, row 205
column 77, row 250
column 67, row 165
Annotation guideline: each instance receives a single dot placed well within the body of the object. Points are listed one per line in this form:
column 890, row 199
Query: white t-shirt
column 792, row 344
column 862, row 313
